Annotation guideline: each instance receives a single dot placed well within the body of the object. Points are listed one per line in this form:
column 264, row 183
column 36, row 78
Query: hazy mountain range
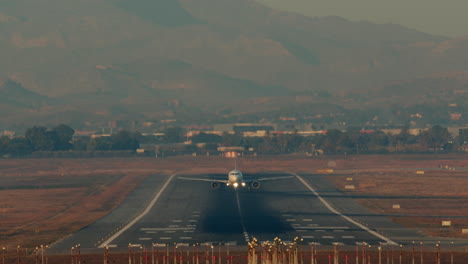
column 95, row 60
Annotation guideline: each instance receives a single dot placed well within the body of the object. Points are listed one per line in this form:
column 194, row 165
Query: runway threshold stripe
column 333, row 210
column 146, row 211
column 246, row 235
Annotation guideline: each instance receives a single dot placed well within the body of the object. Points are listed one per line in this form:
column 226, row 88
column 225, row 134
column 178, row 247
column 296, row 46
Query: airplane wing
column 275, row 178
column 202, row 179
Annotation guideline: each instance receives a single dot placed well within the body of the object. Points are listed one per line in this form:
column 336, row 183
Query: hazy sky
column 443, row 17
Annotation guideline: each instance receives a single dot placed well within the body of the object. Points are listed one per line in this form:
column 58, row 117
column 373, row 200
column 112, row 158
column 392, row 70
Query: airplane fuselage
column 236, row 179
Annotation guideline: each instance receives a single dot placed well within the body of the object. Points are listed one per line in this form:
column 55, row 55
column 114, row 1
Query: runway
column 190, row 212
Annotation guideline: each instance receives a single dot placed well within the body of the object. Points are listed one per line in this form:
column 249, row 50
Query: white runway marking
column 307, row 220
column 290, row 220
column 186, row 238
column 189, row 231
column 169, row 231
column 149, row 232
column 166, row 228
column 308, row 237
column 177, row 221
column 333, row 210
column 246, row 235
column 348, row 237
column 144, row 238
column 174, row 226
column 165, row 238
column 321, row 227
column 136, row 219
column 328, row 237
column 193, row 221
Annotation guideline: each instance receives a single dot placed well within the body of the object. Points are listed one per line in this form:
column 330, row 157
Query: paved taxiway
column 191, row 212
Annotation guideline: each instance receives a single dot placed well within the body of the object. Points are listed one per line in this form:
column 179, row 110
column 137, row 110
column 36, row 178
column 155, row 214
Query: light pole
column 451, row 252
column 18, row 257
column 47, row 254
column 380, row 254
column 71, row 255
column 412, row 253
column 42, row 254
column 78, row 247
column 421, row 252
column 401, row 255
column 212, row 255
column 36, row 254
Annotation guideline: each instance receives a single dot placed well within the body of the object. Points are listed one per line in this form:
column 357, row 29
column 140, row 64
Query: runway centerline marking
column 333, row 210
column 246, row 235
column 136, row 219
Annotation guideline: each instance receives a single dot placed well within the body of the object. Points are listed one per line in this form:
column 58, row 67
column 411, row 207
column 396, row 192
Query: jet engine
column 255, row 185
column 215, row 185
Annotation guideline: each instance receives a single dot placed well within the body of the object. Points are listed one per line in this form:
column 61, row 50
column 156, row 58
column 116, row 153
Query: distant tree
column 173, row 135
column 99, row 144
column 232, row 140
column 64, row 136
column 378, row 142
column 4, row 145
column 330, row 142
column 80, row 144
column 124, row 140
column 20, row 146
column 436, row 137
column 41, row 139
column 269, row 145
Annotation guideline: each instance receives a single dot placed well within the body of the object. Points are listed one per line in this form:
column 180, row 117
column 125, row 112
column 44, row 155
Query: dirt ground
column 42, row 200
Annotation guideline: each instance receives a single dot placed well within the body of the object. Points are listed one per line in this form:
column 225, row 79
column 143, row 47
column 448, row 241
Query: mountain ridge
column 206, row 54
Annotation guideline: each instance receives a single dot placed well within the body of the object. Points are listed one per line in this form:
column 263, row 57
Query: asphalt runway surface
column 189, row 212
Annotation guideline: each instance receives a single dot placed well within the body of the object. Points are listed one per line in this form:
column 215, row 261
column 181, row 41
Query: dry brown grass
column 425, row 199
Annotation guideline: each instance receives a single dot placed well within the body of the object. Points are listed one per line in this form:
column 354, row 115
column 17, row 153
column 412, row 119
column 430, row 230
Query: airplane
column 236, row 180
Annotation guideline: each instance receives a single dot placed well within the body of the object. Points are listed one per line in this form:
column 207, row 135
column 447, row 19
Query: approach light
column 235, row 184
column 243, row 184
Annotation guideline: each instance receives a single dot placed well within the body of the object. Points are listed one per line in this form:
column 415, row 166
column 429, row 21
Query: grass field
column 42, row 200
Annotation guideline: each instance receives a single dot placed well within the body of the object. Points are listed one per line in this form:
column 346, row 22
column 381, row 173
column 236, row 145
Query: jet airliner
column 236, row 180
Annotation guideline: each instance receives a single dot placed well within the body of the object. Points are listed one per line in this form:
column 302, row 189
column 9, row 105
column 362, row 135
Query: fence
column 275, row 252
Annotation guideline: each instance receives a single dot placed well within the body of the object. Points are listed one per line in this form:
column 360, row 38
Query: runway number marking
column 333, row 210
column 136, row 219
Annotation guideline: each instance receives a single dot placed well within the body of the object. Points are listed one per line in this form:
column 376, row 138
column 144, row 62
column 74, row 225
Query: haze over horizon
column 444, row 18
